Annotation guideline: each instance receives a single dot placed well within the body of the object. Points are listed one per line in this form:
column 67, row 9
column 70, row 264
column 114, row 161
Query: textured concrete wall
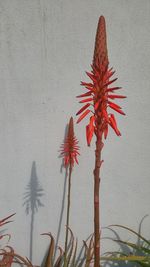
column 45, row 47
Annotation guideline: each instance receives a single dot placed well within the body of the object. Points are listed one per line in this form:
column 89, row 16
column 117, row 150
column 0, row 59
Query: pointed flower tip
column 70, row 127
column 101, row 19
column 71, row 120
column 100, row 57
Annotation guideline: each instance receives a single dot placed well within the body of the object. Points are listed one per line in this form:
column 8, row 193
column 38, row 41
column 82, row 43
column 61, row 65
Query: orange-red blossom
column 101, row 93
column 70, row 148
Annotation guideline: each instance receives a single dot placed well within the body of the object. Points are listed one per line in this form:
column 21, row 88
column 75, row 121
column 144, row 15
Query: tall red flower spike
column 70, row 148
column 99, row 103
column 100, row 92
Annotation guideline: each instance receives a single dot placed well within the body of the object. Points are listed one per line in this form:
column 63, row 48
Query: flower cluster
column 70, row 148
column 100, row 95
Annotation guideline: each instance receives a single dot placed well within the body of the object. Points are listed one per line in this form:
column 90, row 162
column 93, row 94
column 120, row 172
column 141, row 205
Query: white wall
column 45, row 48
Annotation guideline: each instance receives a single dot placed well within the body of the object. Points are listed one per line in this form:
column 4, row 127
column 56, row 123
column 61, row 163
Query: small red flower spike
column 70, row 148
column 98, row 99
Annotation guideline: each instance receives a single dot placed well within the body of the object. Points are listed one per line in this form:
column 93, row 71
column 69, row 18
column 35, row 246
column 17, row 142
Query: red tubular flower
column 99, row 96
column 70, row 148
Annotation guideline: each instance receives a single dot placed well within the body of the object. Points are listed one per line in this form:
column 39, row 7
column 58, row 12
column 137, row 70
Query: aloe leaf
column 144, row 264
column 114, row 254
column 7, row 259
column 132, row 231
column 134, row 246
column 29, row 262
column 74, row 255
column 83, row 250
column 4, row 221
column 70, row 240
column 85, row 246
column 80, row 260
column 90, row 253
column 49, row 259
column 127, row 258
column 71, row 247
column 60, row 258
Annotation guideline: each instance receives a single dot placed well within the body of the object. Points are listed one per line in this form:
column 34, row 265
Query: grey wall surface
column 45, row 48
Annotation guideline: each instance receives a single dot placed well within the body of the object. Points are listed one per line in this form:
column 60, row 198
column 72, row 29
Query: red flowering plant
column 69, row 152
column 99, row 100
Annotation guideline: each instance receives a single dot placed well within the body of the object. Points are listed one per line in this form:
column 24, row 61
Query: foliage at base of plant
column 138, row 252
column 84, row 257
column 8, row 256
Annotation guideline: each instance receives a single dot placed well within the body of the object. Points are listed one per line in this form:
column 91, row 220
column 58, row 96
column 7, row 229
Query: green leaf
column 134, row 246
column 132, row 231
column 70, row 248
column 127, row 258
column 89, row 252
column 74, row 255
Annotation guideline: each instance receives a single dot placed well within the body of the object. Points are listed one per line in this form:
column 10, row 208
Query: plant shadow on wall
column 32, row 202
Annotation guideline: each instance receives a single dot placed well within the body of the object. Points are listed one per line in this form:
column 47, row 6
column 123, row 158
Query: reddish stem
column 97, row 202
column 68, row 214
